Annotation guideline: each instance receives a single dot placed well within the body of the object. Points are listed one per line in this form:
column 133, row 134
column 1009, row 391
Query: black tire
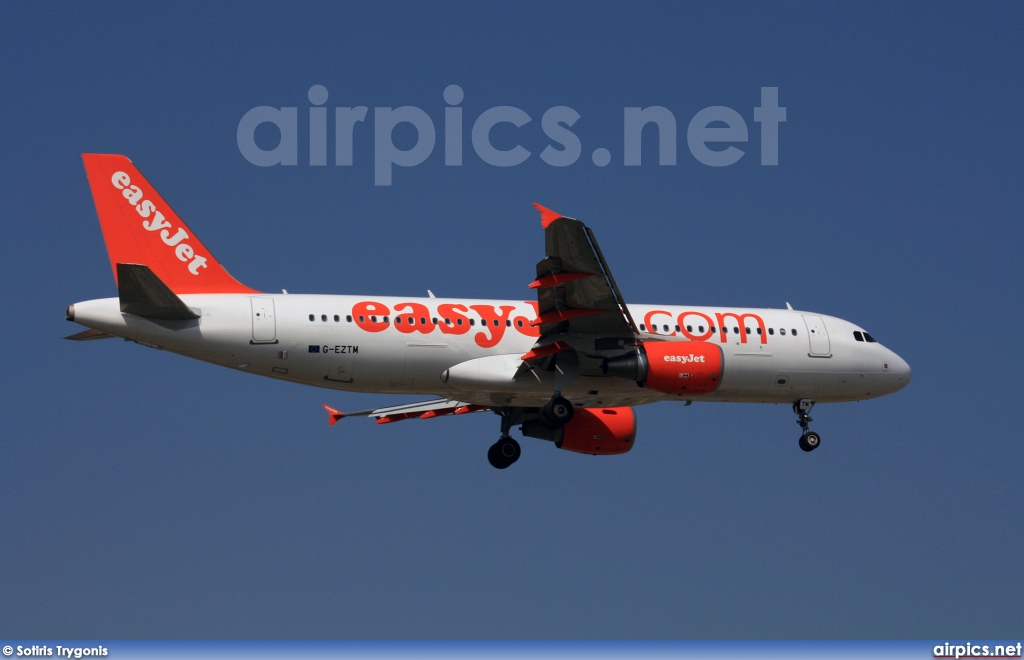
column 504, row 453
column 809, row 441
column 557, row 413
column 494, row 459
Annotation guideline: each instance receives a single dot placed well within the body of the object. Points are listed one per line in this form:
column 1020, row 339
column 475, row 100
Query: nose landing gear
column 810, row 440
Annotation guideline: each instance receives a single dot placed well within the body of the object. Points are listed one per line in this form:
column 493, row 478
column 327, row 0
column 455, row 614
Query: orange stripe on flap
column 556, row 279
column 544, row 351
column 564, row 315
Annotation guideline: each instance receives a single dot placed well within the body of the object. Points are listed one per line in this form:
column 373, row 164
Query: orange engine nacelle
column 674, row 367
column 599, row 431
column 683, row 367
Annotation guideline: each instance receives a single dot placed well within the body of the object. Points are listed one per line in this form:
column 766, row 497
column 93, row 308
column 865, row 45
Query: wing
column 581, row 312
column 575, row 288
column 422, row 410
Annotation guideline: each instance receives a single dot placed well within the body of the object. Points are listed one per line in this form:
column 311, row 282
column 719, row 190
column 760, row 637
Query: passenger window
column 508, row 324
column 700, row 329
column 519, row 323
column 725, row 330
column 423, row 321
column 689, row 328
column 361, row 318
column 323, row 317
column 665, row 327
column 434, row 320
column 782, row 331
column 472, row 321
column 386, row 320
column 793, row 331
column 677, row 328
column 748, row 330
column 460, row 321
column 771, row 331
column 642, row 328
column 311, row 317
column 495, row 323
column 349, row 318
column 337, row 318
column 398, row 319
column 373, row 319
column 857, row 335
column 759, row 331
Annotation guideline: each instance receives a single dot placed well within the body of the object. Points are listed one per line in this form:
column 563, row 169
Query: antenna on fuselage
column 788, row 306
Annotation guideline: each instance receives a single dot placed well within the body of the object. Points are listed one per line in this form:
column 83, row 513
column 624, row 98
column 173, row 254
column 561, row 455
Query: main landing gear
column 558, row 412
column 506, row 450
column 810, row 440
column 554, row 415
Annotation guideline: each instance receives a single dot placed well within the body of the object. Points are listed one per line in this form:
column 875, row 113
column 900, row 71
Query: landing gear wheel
column 504, row 452
column 809, row 441
column 557, row 412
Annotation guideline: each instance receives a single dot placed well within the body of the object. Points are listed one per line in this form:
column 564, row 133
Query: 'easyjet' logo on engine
column 684, row 358
column 145, row 208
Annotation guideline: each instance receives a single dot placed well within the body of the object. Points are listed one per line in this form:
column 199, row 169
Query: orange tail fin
column 139, row 227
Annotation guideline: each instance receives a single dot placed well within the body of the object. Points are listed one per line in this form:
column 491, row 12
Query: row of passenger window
column 411, row 320
column 725, row 330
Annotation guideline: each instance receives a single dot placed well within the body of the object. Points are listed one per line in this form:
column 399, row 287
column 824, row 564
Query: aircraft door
column 264, row 325
column 817, row 336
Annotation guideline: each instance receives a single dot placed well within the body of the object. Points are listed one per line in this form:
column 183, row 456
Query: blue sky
column 144, row 495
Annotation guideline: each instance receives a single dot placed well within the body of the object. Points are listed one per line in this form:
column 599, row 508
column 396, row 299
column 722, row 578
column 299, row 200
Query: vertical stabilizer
column 139, row 227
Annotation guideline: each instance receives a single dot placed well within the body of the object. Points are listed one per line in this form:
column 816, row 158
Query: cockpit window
column 857, row 335
column 869, row 338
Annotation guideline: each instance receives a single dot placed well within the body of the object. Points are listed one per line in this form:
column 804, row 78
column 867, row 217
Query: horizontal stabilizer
column 87, row 335
column 143, row 294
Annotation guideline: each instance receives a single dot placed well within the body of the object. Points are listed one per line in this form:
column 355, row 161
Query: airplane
column 566, row 366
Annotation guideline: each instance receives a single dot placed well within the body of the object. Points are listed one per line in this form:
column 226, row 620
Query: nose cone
column 900, row 372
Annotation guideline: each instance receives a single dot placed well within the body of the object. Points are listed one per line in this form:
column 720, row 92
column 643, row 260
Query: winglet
column 547, row 216
column 333, row 415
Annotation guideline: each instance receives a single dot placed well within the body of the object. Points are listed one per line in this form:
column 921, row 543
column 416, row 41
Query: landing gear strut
column 506, row 450
column 810, row 440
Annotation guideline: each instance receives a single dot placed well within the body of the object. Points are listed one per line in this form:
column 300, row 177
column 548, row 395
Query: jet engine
column 673, row 367
column 598, row 431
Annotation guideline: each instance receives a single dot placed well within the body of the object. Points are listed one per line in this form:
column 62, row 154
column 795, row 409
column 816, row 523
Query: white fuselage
column 357, row 343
